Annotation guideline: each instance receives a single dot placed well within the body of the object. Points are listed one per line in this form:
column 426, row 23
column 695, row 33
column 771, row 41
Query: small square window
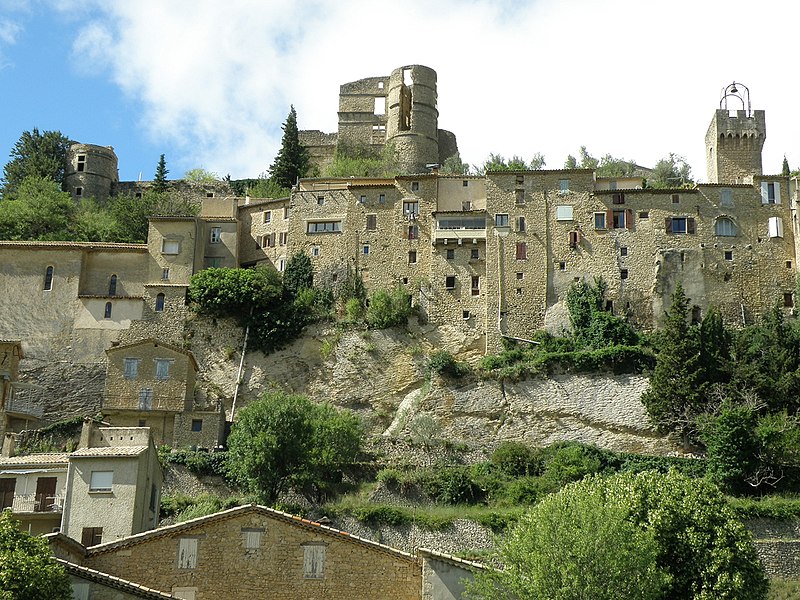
column 726, row 197
column 382, row 198
column 415, row 186
column 520, row 275
column 450, row 282
column 216, row 235
column 162, row 368
column 450, row 253
column 465, row 183
column 519, row 291
column 362, row 199
column 788, row 264
column 728, row 254
column 315, row 251
column 101, row 481
column 170, row 246
column 623, row 251
column 79, row 192
column 142, row 422
column 562, row 266
column 130, row 367
column 365, row 249
column 564, row 213
column 501, row 220
column 465, row 315
column 252, row 538
column 563, row 186
column 788, row 300
column 267, row 216
column 520, row 179
column 600, row 220
column 197, row 425
column 676, row 199
column 623, row 273
column 466, row 205
column 320, row 200
column 644, row 215
column 410, row 207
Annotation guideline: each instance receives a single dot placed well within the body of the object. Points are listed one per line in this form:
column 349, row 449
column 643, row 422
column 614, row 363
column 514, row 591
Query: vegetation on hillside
column 35, row 155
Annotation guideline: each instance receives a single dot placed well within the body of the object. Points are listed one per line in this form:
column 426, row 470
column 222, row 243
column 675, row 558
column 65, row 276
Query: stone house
column 106, row 489
column 19, row 406
column 256, row 552
column 151, row 384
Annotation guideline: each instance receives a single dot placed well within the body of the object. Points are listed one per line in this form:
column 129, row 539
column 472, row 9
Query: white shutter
column 777, row 185
column 775, row 227
column 187, row 553
column 764, row 193
column 313, row 561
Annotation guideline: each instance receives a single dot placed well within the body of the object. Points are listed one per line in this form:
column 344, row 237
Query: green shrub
column 378, row 514
column 516, row 459
column 354, row 310
column 452, row 485
column 387, row 309
column 444, row 363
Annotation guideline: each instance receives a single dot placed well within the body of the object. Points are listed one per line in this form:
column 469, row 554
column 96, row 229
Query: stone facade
column 91, row 171
column 252, row 551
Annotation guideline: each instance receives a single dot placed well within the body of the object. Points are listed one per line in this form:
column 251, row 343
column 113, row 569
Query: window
column 788, row 300
column 676, row 198
column 501, row 220
column 644, row 215
column 725, row 227
column 197, row 425
column 623, row 273
column 788, row 264
column 315, row 251
column 413, row 232
column 216, row 235
column 214, row 262
column 320, row 200
column 268, row 241
column 160, row 299
column 620, row 222
column 162, row 367
column 79, row 192
column 91, row 536
column 112, row 286
column 165, row 274
column 465, row 315
column 466, row 205
column 107, row 311
column 130, row 367
column 146, row 399
column 282, row 265
column 476, row 285
column 412, row 257
column 283, row 238
column 7, row 486
column 450, row 253
column 520, row 275
column 410, row 207
column 209, row 194
column 415, row 186
column 574, row 238
column 520, row 196
column 726, row 197
column 465, row 183
column 285, row 212
column 599, row 220
column 372, row 222
column 80, row 591
column 48, row 279
column 770, row 192
column 475, row 254
column 564, row 213
column 519, row 179
column 450, row 282
column 365, row 249
column 362, row 198
column 252, row 538
column 381, row 198
column 618, row 198
column 142, row 422
column 322, row 227
column 563, row 186
column 728, row 254
column 81, row 163
column 623, row 251
column 519, row 291
column 775, row 227
column 313, row 561
column 522, row 251
column 101, row 481
column 187, row 553
column 521, row 224
column 562, row 265
column 267, row 216
column 679, row 225
column 170, row 246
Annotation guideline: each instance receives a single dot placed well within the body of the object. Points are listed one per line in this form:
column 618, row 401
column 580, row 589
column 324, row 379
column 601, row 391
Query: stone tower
column 412, row 125
column 735, row 138
column 91, row 171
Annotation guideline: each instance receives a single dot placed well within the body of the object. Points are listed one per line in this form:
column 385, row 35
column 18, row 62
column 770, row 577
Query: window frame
column 215, row 234
column 133, row 372
column 48, row 278
column 167, row 245
column 101, row 481
column 501, row 220
column 161, row 368
column 161, row 301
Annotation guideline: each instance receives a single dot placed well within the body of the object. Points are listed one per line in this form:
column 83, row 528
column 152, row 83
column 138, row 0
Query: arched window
column 725, row 227
column 112, row 286
column 160, row 303
column 107, row 314
column 48, row 279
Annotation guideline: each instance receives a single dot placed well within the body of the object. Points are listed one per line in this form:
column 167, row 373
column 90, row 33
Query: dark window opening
column 112, row 286
column 623, row 274
column 623, row 251
column 465, row 315
column 618, row 198
column 676, row 198
column 160, row 300
column 197, row 424
column 451, row 254
column 450, row 282
column 91, row 536
column 107, row 311
column 728, row 254
column 697, row 315
column 475, row 254
column 48, row 279
column 788, row 300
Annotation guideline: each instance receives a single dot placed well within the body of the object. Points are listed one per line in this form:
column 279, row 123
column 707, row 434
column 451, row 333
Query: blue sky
column 209, row 83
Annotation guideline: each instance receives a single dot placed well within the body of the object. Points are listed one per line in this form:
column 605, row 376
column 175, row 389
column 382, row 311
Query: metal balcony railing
column 37, row 503
column 24, row 402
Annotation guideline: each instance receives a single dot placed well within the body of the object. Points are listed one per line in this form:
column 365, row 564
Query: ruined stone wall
column 274, row 570
column 321, row 148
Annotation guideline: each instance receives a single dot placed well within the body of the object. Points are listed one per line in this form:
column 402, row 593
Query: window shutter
column 260, row 241
column 690, row 225
column 609, row 219
column 668, row 224
column 628, row 219
column 777, row 192
column 574, row 239
column 764, row 193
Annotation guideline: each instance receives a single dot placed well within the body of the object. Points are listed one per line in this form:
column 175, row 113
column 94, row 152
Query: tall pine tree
column 292, row 160
column 160, row 179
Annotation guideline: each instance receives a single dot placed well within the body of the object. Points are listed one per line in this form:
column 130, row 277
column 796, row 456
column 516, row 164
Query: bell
column 734, row 90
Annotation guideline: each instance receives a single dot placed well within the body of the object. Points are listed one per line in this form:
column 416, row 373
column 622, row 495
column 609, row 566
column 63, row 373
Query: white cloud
column 637, row 80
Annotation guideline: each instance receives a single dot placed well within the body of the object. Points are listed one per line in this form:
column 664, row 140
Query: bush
column 452, row 485
column 387, row 309
column 444, row 363
column 516, row 459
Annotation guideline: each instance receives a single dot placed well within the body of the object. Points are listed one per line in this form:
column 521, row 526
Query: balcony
column 460, row 227
column 36, row 503
column 23, row 402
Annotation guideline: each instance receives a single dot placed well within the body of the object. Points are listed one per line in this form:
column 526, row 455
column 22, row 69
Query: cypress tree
column 785, row 170
column 160, row 178
column 292, row 160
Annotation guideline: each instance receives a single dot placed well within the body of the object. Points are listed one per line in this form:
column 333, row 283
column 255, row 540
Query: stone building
column 399, row 110
column 107, row 489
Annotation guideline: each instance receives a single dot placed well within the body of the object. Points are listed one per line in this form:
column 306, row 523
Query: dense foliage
column 361, row 160
column 27, row 570
column 388, row 308
column 284, row 441
column 654, row 535
column 606, row 166
column 38, row 155
column 292, row 160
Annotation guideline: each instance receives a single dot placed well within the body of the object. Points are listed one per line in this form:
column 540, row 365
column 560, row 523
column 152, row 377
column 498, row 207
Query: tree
column 606, row 166
column 731, row 447
column 41, row 155
column 37, row 209
column 27, row 570
column 160, row 178
column 131, row 213
column 298, row 274
column 785, row 171
column 455, row 166
column 200, row 175
column 671, row 172
column 497, row 162
column 388, row 308
column 228, row 292
column 631, row 535
column 283, row 441
column 677, row 391
column 292, row 160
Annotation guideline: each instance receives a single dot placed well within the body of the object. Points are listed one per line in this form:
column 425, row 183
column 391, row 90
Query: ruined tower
column 413, row 121
column 91, row 171
column 735, row 138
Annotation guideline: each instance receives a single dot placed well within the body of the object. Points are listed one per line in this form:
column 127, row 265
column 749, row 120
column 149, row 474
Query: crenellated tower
column 735, row 138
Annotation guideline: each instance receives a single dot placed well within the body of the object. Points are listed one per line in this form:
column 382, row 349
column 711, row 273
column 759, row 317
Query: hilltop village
column 489, row 256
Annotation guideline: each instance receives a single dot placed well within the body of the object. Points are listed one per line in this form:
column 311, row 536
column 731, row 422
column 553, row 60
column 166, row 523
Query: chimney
column 86, row 433
column 9, row 445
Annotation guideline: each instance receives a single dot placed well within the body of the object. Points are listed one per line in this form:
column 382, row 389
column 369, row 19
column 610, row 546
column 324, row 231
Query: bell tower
column 735, row 138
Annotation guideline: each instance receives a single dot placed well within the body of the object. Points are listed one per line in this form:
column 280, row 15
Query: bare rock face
column 382, row 376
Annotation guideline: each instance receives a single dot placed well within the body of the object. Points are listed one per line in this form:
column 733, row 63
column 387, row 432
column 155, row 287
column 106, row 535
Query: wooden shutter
column 618, row 198
column 609, row 219
column 260, row 241
column 574, row 238
column 628, row 219
column 668, row 224
column 7, row 492
column 690, row 225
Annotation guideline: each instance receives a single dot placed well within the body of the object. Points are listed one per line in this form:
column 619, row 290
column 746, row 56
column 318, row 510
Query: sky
column 209, row 83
